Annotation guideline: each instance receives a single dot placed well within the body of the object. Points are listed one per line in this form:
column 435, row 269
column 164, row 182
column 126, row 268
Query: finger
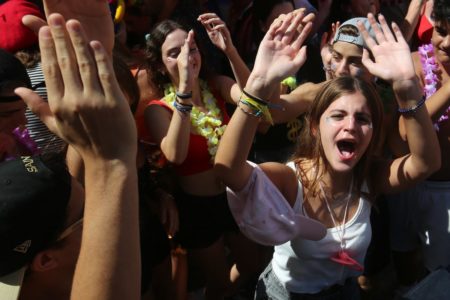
column 300, row 58
column 309, row 18
column 398, row 33
column 366, row 61
column 324, row 40
column 302, row 37
column 282, row 29
column 270, row 34
column 106, row 74
column 50, row 66
column 291, row 31
column 38, row 106
column 378, row 32
column 206, row 16
column 65, row 53
column 386, row 30
column 33, row 22
column 85, row 61
column 370, row 42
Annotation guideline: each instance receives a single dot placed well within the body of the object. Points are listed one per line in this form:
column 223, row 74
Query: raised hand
column 392, row 57
column 281, row 52
column 186, row 68
column 217, row 31
column 85, row 104
column 326, row 45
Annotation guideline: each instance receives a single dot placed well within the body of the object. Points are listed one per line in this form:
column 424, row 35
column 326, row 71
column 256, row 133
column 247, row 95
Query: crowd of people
column 187, row 149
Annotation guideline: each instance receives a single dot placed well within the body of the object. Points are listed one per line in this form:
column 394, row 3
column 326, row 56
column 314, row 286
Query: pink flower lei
column 22, row 136
column 429, row 67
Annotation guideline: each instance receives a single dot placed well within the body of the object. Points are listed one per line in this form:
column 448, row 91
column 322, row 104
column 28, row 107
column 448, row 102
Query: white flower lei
column 209, row 124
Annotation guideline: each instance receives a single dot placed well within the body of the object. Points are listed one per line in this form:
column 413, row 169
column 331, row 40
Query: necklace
column 209, row 124
column 342, row 257
column 430, row 66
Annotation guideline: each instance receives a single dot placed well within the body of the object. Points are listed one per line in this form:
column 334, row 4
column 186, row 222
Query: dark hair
column 310, row 148
column 155, row 40
column 441, row 11
column 12, row 73
column 248, row 29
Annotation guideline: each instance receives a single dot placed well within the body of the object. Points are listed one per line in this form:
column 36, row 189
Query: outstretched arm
column 393, row 63
column 280, row 54
column 88, row 110
column 220, row 36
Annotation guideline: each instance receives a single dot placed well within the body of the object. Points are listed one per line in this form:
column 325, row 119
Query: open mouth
column 346, row 149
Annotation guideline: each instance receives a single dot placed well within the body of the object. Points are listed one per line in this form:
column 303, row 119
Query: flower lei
column 430, row 66
column 23, row 137
column 209, row 125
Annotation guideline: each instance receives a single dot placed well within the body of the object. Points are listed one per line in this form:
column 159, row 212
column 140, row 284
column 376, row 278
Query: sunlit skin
column 346, row 131
column 346, row 61
column 170, row 50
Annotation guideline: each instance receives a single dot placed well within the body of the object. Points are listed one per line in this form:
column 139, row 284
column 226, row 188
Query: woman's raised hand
column 392, row 57
column 281, row 52
column 186, row 64
column 217, row 31
column 85, row 104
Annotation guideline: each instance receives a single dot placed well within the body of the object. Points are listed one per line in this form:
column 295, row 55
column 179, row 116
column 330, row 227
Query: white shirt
column 304, row 266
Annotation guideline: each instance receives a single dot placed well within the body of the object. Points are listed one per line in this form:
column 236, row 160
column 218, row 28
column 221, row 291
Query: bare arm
column 412, row 18
column 88, row 110
column 280, row 54
column 221, row 38
column 393, row 63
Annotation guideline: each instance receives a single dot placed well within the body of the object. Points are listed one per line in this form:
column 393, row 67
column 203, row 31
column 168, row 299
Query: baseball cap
column 12, row 74
column 357, row 40
column 265, row 216
column 33, row 205
column 14, row 35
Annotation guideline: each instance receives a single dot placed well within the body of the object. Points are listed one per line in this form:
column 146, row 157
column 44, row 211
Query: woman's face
column 346, row 131
column 441, row 42
column 170, row 50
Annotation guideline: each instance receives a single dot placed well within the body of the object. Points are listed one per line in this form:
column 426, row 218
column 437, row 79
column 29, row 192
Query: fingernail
column 56, row 22
column 45, row 32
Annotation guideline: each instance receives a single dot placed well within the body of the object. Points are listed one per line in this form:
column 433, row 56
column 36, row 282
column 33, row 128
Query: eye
column 193, row 50
column 174, row 53
column 336, row 57
column 363, row 120
column 337, row 117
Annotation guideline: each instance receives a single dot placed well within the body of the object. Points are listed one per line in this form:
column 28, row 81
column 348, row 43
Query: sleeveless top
column 198, row 158
column 304, row 266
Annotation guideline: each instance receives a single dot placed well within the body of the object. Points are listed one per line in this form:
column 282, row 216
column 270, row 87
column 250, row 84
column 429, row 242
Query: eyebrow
column 345, row 112
column 350, row 57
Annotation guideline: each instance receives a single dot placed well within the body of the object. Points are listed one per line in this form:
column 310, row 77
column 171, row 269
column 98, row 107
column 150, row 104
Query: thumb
column 38, row 106
column 33, row 22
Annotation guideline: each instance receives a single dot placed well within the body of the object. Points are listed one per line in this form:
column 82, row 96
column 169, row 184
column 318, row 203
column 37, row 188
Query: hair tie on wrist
column 411, row 110
column 184, row 95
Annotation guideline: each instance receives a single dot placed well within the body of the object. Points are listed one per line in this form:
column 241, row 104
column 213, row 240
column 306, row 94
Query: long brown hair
column 310, row 153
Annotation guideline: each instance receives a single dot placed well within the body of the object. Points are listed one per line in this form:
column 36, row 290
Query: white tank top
column 304, row 266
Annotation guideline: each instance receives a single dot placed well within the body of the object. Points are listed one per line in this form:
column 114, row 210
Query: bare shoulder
column 284, row 179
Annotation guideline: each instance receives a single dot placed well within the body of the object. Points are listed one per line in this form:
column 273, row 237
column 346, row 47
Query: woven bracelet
column 184, row 95
column 182, row 108
column 413, row 109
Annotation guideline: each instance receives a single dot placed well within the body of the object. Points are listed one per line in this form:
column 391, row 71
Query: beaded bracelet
column 182, row 108
column 184, row 95
column 413, row 109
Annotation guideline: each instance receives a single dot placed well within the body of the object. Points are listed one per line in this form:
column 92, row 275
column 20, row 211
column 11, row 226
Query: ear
column 44, row 261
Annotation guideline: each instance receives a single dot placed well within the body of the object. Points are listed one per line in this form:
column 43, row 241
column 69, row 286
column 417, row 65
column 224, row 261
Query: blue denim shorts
column 269, row 287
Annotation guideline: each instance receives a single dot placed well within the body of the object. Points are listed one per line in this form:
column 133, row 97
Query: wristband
column 182, row 108
column 184, row 95
column 413, row 109
column 254, row 98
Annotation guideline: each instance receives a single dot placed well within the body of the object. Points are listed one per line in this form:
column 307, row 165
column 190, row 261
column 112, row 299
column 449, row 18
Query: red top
column 198, row 158
column 424, row 30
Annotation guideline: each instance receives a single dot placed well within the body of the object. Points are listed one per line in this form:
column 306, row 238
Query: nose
column 342, row 69
column 350, row 123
